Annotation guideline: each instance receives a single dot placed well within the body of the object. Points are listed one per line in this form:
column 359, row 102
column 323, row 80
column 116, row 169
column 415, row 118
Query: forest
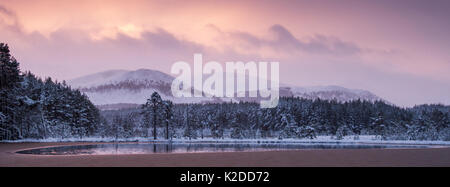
column 32, row 108
column 293, row 118
column 39, row 109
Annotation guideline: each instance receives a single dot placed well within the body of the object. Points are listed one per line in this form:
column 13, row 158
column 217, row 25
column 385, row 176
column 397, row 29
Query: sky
column 397, row 49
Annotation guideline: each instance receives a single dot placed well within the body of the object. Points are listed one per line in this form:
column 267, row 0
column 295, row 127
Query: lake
column 151, row 148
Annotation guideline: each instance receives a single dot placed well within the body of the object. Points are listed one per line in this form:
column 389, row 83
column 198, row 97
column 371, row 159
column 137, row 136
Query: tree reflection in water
column 150, row 148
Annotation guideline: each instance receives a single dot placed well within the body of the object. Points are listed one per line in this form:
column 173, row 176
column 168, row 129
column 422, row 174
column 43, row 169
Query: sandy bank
column 335, row 157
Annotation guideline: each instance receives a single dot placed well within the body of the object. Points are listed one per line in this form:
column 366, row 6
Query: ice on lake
column 151, row 148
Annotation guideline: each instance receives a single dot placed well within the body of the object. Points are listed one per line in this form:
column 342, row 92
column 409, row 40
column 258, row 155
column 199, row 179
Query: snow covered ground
column 320, row 139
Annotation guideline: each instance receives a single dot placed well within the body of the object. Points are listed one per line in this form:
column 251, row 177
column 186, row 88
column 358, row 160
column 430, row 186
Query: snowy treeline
column 131, row 85
column 33, row 108
column 293, row 118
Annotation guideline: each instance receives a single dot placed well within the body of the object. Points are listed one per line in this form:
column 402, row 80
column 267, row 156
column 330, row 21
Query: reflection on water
column 148, row 148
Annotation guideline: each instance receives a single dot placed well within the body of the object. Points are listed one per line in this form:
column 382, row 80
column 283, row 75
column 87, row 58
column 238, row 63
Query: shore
column 289, row 158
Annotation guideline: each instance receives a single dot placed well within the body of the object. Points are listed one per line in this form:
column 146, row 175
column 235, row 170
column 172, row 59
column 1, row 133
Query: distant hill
column 121, row 88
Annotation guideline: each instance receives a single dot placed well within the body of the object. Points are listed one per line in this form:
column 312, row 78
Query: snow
column 136, row 97
column 366, row 139
column 311, row 89
column 116, row 76
column 333, row 92
column 120, row 95
column 97, row 78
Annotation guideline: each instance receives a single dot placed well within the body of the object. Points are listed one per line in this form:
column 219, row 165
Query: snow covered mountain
column 337, row 93
column 117, row 76
column 124, row 89
column 121, row 88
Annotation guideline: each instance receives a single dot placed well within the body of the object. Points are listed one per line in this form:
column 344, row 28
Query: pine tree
column 290, row 127
column 378, row 125
column 153, row 107
column 10, row 79
column 168, row 112
column 9, row 69
column 221, row 121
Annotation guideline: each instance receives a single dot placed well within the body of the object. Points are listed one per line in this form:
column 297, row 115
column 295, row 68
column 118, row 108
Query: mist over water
column 151, row 148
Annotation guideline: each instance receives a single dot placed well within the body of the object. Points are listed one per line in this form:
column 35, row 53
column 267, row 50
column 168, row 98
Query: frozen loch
column 152, row 148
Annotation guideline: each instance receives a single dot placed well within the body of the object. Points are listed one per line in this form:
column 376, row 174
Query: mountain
column 337, row 93
column 124, row 89
column 117, row 76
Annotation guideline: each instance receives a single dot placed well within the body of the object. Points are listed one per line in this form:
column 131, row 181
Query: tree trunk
column 167, row 130
column 154, row 122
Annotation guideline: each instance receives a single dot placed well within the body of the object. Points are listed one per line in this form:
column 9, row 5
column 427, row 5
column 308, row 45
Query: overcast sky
column 397, row 49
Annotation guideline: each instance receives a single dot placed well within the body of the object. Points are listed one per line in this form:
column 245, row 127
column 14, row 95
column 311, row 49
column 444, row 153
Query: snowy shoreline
column 368, row 139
